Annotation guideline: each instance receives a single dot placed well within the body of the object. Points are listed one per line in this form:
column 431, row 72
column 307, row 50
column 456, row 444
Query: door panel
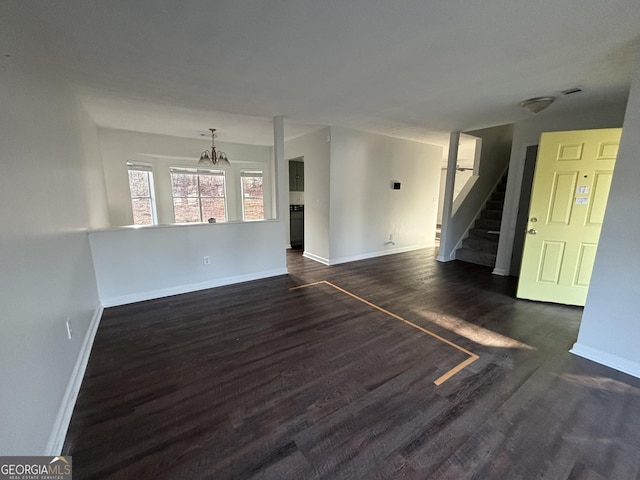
column 564, row 184
column 570, row 152
column 586, row 257
column 608, row 150
column 568, row 201
column 550, row 262
column 598, row 204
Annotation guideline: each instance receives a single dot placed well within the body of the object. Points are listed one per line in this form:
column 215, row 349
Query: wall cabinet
column 296, row 176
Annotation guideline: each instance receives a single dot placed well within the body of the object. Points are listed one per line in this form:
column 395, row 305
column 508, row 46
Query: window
column 198, row 195
column 143, row 202
column 252, row 195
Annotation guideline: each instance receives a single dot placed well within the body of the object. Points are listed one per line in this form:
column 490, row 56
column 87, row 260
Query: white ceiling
column 413, row 69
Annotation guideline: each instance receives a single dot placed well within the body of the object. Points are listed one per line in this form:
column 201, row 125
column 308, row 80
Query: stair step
column 479, row 258
column 483, row 233
column 487, row 223
column 481, row 244
column 495, row 204
column 491, row 214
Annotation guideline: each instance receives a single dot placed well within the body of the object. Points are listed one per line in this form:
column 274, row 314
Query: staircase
column 481, row 246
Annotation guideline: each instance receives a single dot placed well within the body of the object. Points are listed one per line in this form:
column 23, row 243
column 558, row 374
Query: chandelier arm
column 215, row 157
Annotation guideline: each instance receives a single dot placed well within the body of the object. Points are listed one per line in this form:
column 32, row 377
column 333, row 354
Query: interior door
column 570, row 191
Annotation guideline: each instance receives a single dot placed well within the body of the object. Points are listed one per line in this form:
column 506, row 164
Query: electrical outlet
column 207, row 260
column 69, row 329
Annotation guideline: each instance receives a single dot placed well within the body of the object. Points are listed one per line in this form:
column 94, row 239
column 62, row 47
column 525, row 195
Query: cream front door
column 570, row 191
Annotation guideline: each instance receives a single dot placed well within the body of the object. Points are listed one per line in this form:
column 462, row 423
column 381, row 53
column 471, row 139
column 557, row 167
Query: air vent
column 571, row 91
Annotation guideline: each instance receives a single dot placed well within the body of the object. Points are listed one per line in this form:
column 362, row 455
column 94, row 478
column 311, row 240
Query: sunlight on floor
column 476, row 334
column 600, row 383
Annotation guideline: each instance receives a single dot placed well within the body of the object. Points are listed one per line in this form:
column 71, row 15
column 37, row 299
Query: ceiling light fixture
column 213, row 157
column 537, row 104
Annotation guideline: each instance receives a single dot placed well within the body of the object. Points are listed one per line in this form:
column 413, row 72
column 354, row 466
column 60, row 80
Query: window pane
column 252, row 187
column 252, row 196
column 198, row 196
column 211, row 186
column 142, row 205
column 139, row 183
column 184, row 185
column 141, row 211
column 253, row 209
column 213, row 208
column 186, row 210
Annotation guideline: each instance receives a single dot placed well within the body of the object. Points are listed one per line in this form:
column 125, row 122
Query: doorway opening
column 296, row 204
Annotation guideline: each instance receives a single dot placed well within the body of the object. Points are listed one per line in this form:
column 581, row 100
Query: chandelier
column 213, row 157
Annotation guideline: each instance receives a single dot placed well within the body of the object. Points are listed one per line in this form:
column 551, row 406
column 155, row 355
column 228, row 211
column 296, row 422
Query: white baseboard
column 500, row 271
column 444, row 258
column 363, row 256
column 614, row 361
column 63, row 418
column 192, row 287
column 317, row 258
column 380, row 253
column 61, row 425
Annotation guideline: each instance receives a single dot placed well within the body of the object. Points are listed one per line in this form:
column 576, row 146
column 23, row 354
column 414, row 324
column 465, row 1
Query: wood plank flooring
column 258, row 381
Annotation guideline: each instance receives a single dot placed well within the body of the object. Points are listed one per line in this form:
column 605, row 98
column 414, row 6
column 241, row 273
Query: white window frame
column 144, row 167
column 198, row 172
column 251, row 173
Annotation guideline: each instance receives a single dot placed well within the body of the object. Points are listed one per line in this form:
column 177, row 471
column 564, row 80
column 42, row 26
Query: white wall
column 162, row 151
column 365, row 210
column 462, row 177
column 46, row 271
column 93, row 172
column 443, row 178
column 527, row 133
column 610, row 329
column 134, row 264
column 315, row 148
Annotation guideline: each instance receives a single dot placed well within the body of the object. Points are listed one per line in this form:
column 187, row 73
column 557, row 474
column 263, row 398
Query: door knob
column 532, row 231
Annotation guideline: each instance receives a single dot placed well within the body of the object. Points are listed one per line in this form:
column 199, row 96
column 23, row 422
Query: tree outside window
column 252, row 195
column 142, row 194
column 198, row 195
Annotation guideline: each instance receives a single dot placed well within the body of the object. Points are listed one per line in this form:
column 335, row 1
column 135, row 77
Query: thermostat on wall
column 395, row 185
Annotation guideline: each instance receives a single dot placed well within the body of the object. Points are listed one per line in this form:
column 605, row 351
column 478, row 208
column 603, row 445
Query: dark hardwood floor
column 257, row 381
